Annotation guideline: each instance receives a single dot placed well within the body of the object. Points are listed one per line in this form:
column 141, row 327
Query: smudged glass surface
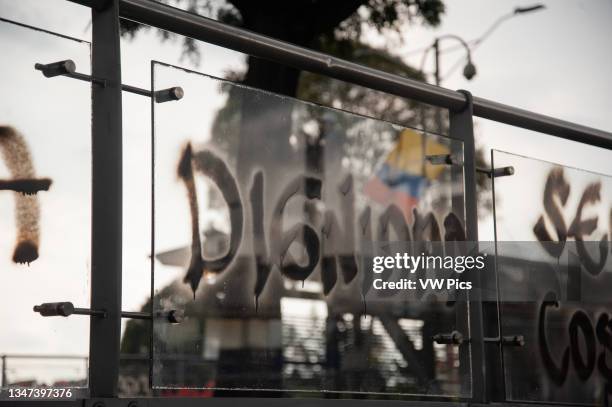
column 45, row 142
column 553, row 225
column 261, row 204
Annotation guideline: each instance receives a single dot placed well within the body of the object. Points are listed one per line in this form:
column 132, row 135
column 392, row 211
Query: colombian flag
column 405, row 174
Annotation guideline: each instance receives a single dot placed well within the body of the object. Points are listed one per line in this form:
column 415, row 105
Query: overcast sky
column 556, row 61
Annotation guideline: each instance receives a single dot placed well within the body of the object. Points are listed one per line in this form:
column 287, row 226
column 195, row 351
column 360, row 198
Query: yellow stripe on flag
column 408, row 156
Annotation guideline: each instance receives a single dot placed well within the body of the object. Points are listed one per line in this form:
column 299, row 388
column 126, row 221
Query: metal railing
column 107, row 165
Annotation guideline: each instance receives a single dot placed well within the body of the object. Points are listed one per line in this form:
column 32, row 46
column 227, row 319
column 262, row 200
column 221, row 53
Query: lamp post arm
column 461, row 40
column 492, row 28
column 500, row 20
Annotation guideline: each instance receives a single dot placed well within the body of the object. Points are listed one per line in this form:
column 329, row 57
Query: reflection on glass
column 553, row 226
column 261, row 205
column 45, row 146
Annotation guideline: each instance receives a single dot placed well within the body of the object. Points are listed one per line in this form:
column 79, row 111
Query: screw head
column 69, row 66
column 178, row 93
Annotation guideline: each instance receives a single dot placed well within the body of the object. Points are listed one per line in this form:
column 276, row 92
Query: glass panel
column 45, row 241
column 247, row 182
column 555, row 276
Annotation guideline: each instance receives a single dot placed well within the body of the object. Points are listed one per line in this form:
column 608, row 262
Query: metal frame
column 107, row 201
column 462, row 128
column 107, row 174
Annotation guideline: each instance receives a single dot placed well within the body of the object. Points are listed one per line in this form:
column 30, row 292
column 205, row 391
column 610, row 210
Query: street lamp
column 469, row 70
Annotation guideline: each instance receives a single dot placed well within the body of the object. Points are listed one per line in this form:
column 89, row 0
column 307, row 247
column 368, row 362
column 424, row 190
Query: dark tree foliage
column 334, row 27
column 309, row 23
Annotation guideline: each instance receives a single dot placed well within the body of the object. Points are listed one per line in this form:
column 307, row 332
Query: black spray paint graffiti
column 558, row 187
column 333, row 245
column 18, row 160
column 580, row 324
column 213, row 167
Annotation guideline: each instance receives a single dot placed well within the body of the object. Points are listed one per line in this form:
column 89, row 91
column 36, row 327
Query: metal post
column 3, row 381
column 106, row 202
column 436, row 47
column 462, row 128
